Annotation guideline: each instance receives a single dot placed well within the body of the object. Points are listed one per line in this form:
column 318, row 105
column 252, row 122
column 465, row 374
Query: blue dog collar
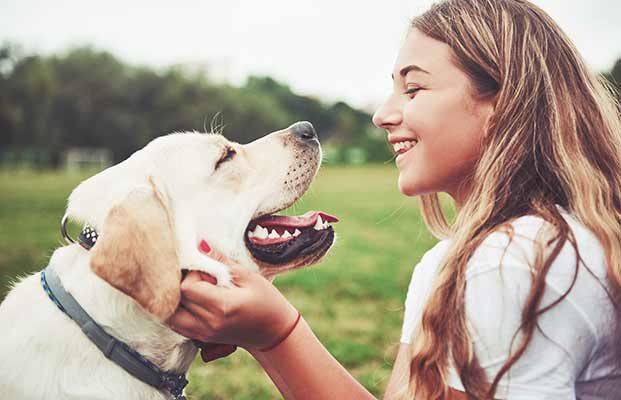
column 115, row 350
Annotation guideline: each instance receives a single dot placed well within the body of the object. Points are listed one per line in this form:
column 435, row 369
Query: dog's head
column 183, row 188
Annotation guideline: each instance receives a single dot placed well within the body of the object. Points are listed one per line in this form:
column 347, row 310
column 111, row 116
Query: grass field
column 353, row 300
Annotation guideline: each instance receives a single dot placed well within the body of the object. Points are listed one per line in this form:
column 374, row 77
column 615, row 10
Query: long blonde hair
column 554, row 139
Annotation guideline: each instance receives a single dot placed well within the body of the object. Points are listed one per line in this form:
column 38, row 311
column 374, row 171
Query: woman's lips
column 401, row 153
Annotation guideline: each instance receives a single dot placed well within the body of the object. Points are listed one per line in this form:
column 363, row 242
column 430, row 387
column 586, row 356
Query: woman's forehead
column 422, row 55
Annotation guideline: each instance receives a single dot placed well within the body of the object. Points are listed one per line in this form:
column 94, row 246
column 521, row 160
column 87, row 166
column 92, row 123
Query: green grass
column 353, row 300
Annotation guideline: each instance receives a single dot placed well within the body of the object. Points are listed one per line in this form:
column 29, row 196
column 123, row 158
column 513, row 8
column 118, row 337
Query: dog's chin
column 294, row 242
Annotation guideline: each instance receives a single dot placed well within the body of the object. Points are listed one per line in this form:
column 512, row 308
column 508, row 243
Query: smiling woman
column 492, row 104
column 438, row 110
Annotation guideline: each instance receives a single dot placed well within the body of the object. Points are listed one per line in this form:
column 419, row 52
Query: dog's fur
column 151, row 211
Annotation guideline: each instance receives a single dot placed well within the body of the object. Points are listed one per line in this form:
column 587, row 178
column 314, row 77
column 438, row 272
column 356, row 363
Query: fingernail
column 204, row 247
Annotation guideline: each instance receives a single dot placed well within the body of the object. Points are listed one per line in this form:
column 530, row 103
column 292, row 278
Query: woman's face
column 432, row 103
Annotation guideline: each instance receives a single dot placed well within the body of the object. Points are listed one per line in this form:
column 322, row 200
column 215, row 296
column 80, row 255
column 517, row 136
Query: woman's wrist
column 303, row 369
column 283, row 337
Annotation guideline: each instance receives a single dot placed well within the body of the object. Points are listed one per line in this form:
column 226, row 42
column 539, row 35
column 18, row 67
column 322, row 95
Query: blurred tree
column 9, row 112
column 297, row 107
column 88, row 98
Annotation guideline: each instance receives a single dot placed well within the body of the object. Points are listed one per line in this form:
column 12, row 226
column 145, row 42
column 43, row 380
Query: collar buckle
column 175, row 385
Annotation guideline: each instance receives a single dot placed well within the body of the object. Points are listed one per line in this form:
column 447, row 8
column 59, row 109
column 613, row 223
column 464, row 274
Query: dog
column 146, row 219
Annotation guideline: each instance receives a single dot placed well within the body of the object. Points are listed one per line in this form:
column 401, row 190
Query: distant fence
column 25, row 158
column 87, row 158
column 72, row 159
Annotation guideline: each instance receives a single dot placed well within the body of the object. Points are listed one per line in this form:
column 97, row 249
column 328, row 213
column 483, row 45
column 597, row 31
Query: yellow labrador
column 147, row 217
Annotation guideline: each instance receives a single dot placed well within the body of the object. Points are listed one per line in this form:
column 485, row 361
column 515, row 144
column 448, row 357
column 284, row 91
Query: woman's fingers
column 213, row 253
column 185, row 323
column 240, row 275
column 216, row 255
column 205, row 315
column 202, row 293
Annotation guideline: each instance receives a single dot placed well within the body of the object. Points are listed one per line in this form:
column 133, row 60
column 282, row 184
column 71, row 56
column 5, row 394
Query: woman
column 521, row 299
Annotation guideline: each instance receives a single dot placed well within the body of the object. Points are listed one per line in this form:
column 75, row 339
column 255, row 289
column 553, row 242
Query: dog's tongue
column 297, row 221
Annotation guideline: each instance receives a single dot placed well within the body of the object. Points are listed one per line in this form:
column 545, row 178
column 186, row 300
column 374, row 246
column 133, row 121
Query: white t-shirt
column 576, row 356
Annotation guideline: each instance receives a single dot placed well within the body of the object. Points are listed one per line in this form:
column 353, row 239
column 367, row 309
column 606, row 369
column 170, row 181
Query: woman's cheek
column 413, row 111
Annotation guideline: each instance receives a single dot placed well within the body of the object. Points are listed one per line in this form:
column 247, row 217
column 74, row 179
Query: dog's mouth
column 279, row 239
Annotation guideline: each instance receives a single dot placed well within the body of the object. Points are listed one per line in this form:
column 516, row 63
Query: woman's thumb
column 238, row 273
column 213, row 253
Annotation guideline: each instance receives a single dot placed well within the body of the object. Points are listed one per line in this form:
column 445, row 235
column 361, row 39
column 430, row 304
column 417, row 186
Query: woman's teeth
column 401, row 147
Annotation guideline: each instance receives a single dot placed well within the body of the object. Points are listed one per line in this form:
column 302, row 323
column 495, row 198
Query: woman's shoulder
column 428, row 265
column 502, row 269
column 517, row 247
column 519, row 243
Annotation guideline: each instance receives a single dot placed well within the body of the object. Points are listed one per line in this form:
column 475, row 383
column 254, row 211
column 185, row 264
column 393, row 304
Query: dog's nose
column 304, row 130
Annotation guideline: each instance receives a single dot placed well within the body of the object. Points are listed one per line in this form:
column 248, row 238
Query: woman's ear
column 136, row 251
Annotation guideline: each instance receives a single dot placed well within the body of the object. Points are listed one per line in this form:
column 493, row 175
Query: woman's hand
column 252, row 314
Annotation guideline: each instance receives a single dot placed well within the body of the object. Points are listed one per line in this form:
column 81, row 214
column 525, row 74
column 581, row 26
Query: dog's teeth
column 319, row 224
column 260, row 232
column 274, row 234
column 325, row 225
column 250, row 234
column 297, row 233
column 286, row 235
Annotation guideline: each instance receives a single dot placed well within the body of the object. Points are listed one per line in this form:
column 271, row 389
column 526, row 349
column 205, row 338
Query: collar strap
column 115, row 350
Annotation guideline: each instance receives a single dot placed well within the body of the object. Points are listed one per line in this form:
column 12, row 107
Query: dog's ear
column 91, row 200
column 136, row 251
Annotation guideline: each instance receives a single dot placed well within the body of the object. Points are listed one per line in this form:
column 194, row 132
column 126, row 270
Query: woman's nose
column 387, row 116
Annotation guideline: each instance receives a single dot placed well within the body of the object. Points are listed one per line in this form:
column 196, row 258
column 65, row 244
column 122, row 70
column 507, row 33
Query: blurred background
column 85, row 84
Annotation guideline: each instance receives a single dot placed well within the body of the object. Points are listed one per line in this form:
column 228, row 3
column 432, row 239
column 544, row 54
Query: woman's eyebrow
column 404, row 71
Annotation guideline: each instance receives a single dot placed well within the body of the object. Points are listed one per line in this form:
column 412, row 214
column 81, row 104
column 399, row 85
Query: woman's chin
column 411, row 188
column 406, row 187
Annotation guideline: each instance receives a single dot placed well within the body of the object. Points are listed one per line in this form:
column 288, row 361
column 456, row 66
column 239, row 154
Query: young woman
column 521, row 298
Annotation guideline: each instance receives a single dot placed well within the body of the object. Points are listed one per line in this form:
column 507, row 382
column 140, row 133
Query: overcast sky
column 331, row 49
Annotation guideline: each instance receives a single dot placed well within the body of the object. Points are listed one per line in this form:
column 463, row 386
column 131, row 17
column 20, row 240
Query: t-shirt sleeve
column 419, row 290
column 495, row 297
column 413, row 308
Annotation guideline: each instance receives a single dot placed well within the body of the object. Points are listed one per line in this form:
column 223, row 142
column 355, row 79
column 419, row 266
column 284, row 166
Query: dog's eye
column 228, row 154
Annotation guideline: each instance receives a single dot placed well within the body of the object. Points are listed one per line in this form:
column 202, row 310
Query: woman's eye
column 230, row 153
column 412, row 91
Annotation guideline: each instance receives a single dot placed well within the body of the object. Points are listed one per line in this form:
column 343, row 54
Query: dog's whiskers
column 392, row 214
column 217, row 125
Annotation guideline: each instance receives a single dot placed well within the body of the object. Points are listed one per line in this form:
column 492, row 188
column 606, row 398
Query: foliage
column 89, row 98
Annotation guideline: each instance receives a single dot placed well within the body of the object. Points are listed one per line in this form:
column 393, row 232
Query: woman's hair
column 554, row 138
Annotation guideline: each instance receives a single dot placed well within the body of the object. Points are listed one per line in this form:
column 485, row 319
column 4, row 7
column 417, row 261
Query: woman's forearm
column 306, row 370
column 274, row 375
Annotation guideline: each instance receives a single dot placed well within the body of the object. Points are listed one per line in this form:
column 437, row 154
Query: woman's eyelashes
column 412, row 90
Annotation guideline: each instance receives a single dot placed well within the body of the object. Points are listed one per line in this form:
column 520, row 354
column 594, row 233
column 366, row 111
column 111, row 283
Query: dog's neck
column 119, row 315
